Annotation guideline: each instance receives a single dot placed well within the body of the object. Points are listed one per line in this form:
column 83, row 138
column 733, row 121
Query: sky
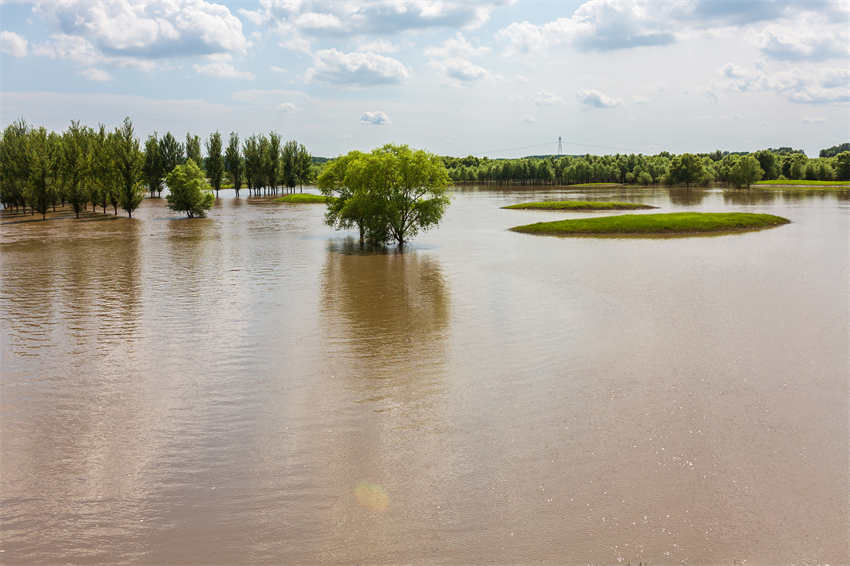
column 501, row 78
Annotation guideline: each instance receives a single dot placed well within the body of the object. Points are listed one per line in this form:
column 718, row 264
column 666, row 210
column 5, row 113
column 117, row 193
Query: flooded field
column 249, row 388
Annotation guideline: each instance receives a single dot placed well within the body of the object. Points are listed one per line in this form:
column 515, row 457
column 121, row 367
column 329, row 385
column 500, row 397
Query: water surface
column 250, row 388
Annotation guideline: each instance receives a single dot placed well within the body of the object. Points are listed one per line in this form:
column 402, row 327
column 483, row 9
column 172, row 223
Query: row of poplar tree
column 737, row 169
column 82, row 166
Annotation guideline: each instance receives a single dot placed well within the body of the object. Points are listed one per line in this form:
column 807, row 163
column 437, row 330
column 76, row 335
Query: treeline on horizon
column 82, row 166
column 737, row 169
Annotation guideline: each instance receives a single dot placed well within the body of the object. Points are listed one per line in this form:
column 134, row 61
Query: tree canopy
column 389, row 194
column 189, row 191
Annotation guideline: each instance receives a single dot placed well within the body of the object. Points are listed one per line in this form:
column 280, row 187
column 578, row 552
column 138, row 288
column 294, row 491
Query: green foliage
column 128, row 164
column 290, row 165
column 193, row 148
column 43, row 155
column 835, row 150
column 152, row 169
column 579, row 205
column 76, row 161
column 746, row 171
column 842, row 166
column 170, row 152
column 188, row 190
column 392, row 193
column 215, row 161
column 656, row 224
column 303, row 198
column 233, row 163
column 14, row 165
column 686, row 168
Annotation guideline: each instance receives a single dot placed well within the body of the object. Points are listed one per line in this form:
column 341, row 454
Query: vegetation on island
column 579, row 205
column 82, row 166
column 673, row 223
column 303, row 198
column 389, row 194
column 732, row 169
column 802, row 183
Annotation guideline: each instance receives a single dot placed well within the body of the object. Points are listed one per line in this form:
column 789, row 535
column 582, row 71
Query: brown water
column 248, row 389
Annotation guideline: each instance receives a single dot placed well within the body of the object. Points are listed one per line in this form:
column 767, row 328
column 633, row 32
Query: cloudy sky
column 497, row 77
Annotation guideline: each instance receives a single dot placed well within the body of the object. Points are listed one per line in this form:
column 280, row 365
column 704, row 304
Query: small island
column 580, row 205
column 302, row 198
column 664, row 224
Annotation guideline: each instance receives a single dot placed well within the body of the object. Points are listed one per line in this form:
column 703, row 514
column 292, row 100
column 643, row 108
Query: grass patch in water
column 673, row 223
column 579, row 205
column 595, row 185
column 302, row 198
column 802, row 183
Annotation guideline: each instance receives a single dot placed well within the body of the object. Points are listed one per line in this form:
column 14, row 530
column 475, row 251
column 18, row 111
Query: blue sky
column 498, row 77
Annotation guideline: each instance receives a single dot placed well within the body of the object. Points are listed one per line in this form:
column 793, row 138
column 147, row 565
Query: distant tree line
column 84, row 166
column 738, row 169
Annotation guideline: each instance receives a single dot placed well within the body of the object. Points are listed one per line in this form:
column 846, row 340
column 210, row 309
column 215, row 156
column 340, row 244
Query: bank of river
column 250, row 388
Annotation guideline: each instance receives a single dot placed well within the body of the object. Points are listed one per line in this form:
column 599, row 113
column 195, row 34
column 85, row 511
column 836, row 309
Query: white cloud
column 269, row 98
column 804, row 85
column 598, row 25
column 277, row 69
column 546, row 98
column 457, row 46
column 529, row 119
column 814, row 120
column 12, row 44
column 223, row 70
column 94, row 74
column 149, row 28
column 319, row 17
column 809, row 39
column 596, row 99
column 286, row 107
column 81, row 51
column 461, row 71
column 376, row 118
column 378, row 46
column 356, row 68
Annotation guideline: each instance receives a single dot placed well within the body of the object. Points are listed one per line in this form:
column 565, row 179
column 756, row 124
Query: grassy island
column 667, row 224
column 579, row 205
column 303, row 198
column 802, row 184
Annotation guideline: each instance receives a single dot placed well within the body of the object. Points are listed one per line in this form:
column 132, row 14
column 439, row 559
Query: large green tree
column 14, row 165
column 215, row 161
column 128, row 164
column 392, row 193
column 44, row 158
column 152, row 170
column 289, row 164
column 686, row 168
column 193, row 148
column 747, row 171
column 189, row 191
column 233, row 162
column 170, row 152
column 76, row 159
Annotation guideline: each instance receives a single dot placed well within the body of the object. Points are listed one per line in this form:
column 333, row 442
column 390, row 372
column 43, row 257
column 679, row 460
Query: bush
column 189, row 190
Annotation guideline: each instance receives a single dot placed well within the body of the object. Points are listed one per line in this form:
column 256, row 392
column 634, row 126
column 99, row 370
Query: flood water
column 249, row 388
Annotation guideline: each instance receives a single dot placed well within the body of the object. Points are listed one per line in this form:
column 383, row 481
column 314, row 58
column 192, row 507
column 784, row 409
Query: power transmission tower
column 560, row 146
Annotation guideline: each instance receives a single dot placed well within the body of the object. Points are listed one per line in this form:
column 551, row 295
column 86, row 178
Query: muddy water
column 248, row 388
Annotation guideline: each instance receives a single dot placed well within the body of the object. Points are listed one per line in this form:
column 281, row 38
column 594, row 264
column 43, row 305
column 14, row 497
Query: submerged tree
column 233, row 163
column 128, row 163
column 152, row 170
column 170, row 153
column 193, row 148
column 188, row 190
column 76, row 160
column 747, row 171
column 392, row 193
column 43, row 158
column 215, row 161
column 686, row 168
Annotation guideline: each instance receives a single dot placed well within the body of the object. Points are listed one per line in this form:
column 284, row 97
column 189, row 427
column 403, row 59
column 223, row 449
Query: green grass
column 803, row 183
column 579, row 205
column 674, row 223
column 302, row 198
